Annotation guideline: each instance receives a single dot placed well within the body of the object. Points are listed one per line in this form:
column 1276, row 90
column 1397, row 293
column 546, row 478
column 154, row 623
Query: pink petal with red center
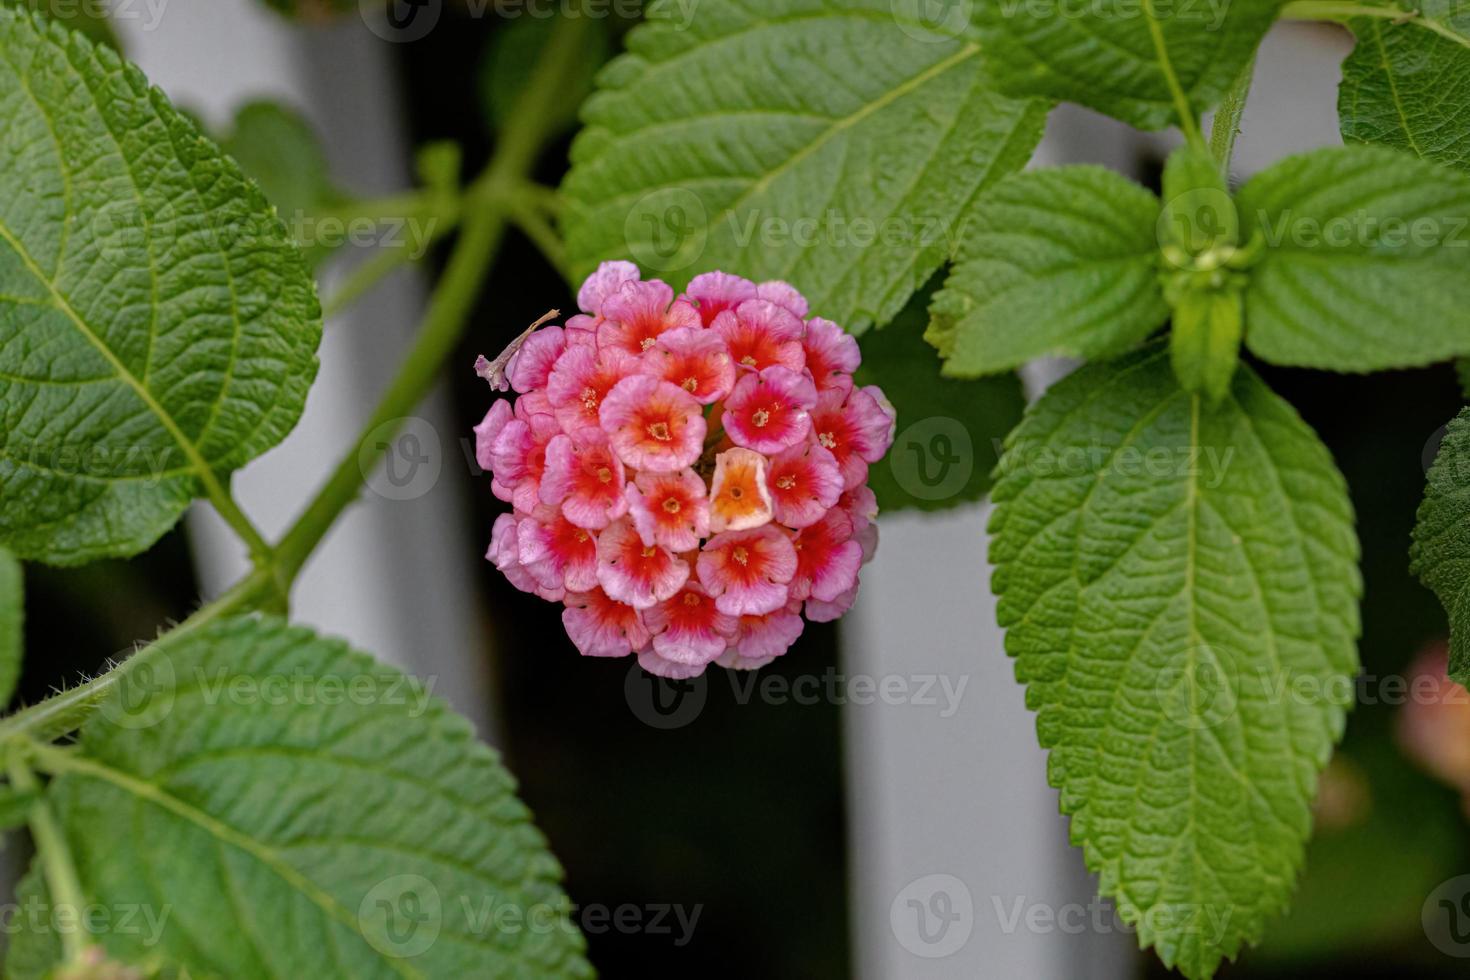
column 747, row 571
column 635, row 316
column 670, row 669
column 825, row 612
column 770, row 411
column 500, row 413
column 783, row 294
column 855, row 427
column 653, row 425
column 581, row 380
column 761, row 334
column 504, row 552
column 669, row 509
column 608, row 279
column 762, row 639
column 558, row 552
column 827, row 559
column 630, row 571
column 695, row 360
column 585, row 477
column 518, row 457
column 831, row 352
column 805, row 483
column 739, row 499
column 689, row 628
column 716, row 292
column 603, row 627
column 531, row 365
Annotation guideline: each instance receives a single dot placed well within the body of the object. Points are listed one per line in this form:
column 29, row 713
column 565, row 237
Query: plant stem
column 1187, row 121
column 1342, row 10
column 454, row 297
column 52, row 852
column 534, row 225
column 369, row 273
column 65, row 712
column 1226, row 125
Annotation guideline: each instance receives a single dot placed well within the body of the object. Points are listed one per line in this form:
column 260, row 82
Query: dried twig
column 494, row 371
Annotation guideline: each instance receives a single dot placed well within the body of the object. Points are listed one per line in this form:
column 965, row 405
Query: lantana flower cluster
column 688, row 474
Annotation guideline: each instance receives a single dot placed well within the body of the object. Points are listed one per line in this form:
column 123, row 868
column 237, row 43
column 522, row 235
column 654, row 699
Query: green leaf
column 12, row 623
column 949, row 432
column 1179, row 589
column 302, row 811
column 1135, row 62
column 1407, row 85
column 1440, row 555
column 157, row 327
column 277, row 147
column 511, row 58
column 830, row 145
column 88, row 18
column 1366, row 260
column 1057, row 261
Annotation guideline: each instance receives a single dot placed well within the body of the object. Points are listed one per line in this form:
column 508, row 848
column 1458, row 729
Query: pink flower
column 805, row 483
column 827, row 559
column 608, row 279
column 760, row 334
column 557, row 552
column 650, row 661
column 783, row 294
column 747, row 571
column 739, row 499
column 669, row 509
column 761, row 639
column 825, row 612
column 832, row 353
column 716, row 292
column 500, row 413
column 635, row 315
column 580, row 381
column 695, row 360
column 505, row 554
column 689, row 629
column 635, row 573
column 603, row 627
column 664, row 539
column 855, row 427
column 531, row 365
column 653, row 425
column 770, row 411
column 585, row 477
column 518, row 457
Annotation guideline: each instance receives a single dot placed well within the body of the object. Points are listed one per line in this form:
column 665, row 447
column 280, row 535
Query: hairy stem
column 1226, row 125
column 52, row 852
column 1344, row 10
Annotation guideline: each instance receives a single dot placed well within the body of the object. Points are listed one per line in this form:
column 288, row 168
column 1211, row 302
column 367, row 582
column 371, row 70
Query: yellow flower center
column 660, row 431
